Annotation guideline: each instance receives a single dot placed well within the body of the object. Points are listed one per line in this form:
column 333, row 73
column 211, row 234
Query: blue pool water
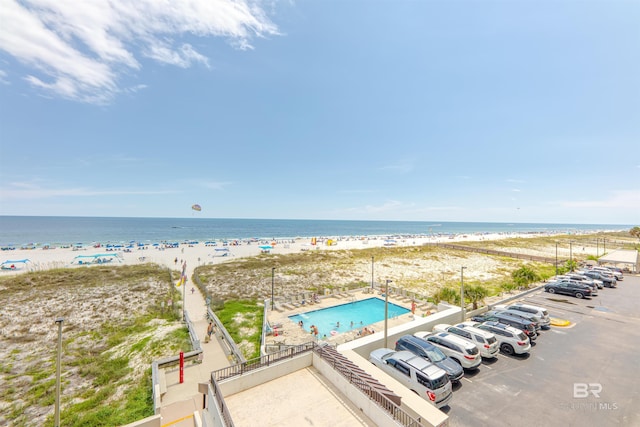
column 362, row 313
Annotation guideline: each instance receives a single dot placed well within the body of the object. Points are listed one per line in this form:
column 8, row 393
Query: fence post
column 181, row 366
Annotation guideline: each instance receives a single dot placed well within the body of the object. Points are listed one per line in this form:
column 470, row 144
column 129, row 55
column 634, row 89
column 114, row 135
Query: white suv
column 459, row 349
column 486, row 342
column 541, row 312
column 416, row 373
column 511, row 340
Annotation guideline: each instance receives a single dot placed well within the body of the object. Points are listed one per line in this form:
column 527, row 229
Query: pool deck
column 289, row 333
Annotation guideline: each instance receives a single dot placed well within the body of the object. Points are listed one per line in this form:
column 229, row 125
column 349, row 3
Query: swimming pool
column 352, row 315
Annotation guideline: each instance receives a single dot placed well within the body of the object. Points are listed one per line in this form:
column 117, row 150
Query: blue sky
column 505, row 111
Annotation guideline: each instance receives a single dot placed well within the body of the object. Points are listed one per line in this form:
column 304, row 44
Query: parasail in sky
column 196, row 208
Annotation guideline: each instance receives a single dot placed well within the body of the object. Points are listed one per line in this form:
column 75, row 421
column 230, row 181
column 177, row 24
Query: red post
column 181, row 367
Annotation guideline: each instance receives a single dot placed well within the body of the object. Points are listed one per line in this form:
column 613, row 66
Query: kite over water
column 196, row 208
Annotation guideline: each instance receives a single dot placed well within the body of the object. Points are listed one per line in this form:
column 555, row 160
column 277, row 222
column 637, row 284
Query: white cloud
column 80, row 50
column 214, row 185
column 400, row 167
column 4, row 77
column 617, row 199
column 27, row 190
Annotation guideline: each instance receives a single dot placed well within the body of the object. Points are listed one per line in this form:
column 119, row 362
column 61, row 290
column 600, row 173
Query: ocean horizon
column 58, row 230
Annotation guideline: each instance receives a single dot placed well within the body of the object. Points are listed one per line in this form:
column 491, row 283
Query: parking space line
column 467, row 379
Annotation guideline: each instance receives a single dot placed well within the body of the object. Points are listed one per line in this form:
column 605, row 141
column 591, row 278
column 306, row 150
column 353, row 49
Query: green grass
column 96, row 362
column 252, row 317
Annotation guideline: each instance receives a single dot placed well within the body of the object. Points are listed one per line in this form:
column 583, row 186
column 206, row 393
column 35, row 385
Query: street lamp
column 273, row 271
column 462, row 292
column 571, row 256
column 386, row 310
column 57, row 410
column 372, row 273
column 556, row 258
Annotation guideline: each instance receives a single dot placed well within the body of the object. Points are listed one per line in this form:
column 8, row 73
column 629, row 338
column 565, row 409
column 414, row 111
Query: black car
column 433, row 354
column 524, row 325
column 608, row 281
column 570, row 287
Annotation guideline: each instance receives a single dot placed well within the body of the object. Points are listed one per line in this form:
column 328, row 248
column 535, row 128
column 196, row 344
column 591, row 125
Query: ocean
column 39, row 230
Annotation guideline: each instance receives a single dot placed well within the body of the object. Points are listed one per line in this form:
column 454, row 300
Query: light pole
column 386, row 310
column 57, row 410
column 183, row 279
column 273, row 271
column 556, row 258
column 571, row 256
column 597, row 247
column 462, row 292
column 372, row 273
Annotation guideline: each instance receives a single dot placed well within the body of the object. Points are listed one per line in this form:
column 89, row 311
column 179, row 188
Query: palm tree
column 475, row 294
column 635, row 232
column 449, row 295
column 524, row 275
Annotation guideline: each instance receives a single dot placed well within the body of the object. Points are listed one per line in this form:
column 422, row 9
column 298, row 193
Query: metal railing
column 378, row 393
column 222, row 406
column 156, row 365
column 250, row 365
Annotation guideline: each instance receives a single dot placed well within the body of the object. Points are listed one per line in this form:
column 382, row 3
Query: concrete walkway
column 181, row 400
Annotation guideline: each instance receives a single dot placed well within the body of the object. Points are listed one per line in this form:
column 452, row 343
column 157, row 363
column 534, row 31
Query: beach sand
column 199, row 254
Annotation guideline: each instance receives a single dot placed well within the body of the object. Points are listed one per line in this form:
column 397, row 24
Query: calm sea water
column 20, row 230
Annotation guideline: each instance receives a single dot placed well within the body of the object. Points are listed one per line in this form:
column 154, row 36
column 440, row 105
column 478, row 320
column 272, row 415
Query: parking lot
column 587, row 374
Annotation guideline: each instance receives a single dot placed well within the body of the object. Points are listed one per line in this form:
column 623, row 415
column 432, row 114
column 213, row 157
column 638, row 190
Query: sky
column 434, row 110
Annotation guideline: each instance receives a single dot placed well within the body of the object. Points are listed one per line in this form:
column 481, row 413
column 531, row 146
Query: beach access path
column 181, row 400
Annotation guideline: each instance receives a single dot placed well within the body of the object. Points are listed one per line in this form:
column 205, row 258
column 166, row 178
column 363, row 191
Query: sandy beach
column 196, row 254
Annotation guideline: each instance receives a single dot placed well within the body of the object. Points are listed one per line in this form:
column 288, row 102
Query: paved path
column 181, row 400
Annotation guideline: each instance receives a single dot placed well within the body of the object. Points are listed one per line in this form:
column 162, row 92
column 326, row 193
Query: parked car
column 512, row 340
column 570, row 287
column 431, row 353
column 462, row 351
column 522, row 315
column 486, row 342
column 616, row 273
column 422, row 377
column 541, row 312
column 583, row 278
column 525, row 326
column 608, row 280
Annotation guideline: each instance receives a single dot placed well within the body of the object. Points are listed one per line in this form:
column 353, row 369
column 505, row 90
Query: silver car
column 417, row 374
column 541, row 312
